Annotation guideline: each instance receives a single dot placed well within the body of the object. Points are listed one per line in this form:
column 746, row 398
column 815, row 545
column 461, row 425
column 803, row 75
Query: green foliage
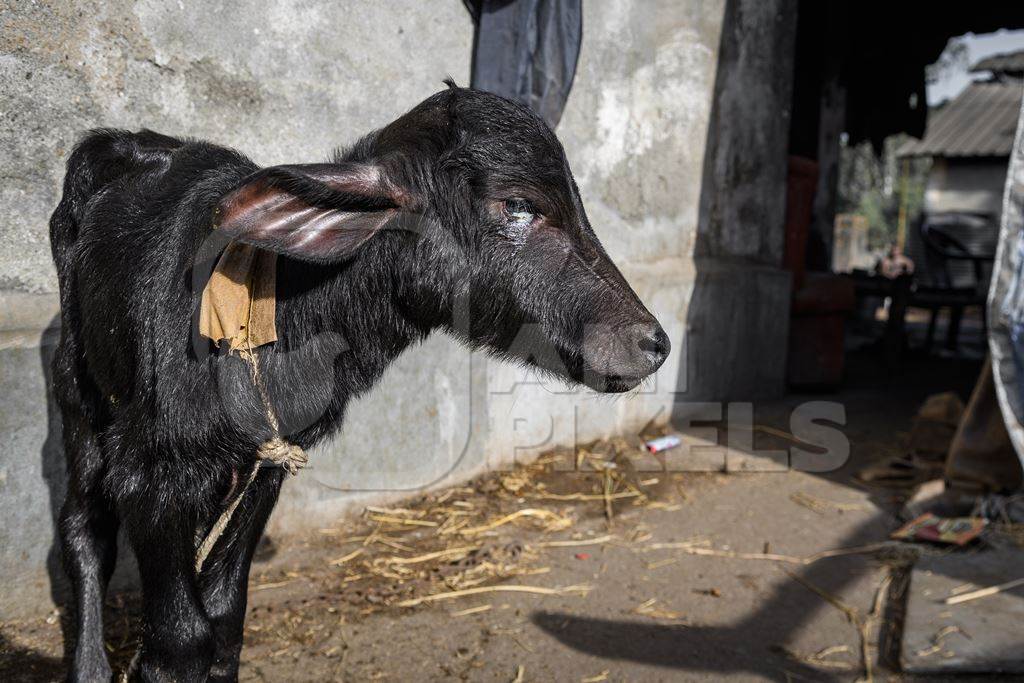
column 873, row 187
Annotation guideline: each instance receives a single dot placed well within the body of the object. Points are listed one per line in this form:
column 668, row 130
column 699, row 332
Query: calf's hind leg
column 88, row 530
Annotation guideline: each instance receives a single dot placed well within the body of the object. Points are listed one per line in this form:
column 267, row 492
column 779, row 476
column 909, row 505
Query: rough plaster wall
column 289, row 81
column 636, row 122
column 282, row 81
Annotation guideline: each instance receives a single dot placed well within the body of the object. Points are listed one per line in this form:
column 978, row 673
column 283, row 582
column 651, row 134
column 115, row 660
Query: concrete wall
column 966, row 185
column 288, row 83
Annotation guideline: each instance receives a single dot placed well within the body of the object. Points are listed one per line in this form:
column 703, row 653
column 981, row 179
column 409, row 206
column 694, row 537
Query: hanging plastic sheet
column 526, row 50
column 1006, row 299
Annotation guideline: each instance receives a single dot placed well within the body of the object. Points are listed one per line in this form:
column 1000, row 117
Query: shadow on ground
column 750, row 646
column 25, row 664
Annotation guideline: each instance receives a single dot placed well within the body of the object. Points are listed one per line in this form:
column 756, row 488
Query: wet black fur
column 158, row 423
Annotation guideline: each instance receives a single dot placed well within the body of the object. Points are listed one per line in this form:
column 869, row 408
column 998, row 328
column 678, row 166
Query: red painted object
column 801, row 184
column 817, row 330
column 821, row 301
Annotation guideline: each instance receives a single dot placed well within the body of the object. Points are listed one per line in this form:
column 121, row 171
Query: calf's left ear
column 313, row 212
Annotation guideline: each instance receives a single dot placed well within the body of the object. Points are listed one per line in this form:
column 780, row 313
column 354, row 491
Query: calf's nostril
column 648, row 344
column 655, row 345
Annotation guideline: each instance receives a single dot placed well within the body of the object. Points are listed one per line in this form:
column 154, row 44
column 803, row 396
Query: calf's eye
column 519, row 211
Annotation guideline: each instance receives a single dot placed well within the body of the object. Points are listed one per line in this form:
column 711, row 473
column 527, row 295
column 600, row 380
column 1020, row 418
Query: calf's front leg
column 225, row 577
column 177, row 637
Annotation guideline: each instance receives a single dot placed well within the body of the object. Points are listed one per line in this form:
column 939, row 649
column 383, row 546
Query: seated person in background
column 895, row 263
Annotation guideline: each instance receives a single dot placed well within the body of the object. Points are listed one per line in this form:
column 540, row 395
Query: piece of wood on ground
column 977, row 636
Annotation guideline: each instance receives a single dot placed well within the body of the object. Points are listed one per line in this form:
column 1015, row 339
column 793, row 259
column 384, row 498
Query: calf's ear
column 313, row 212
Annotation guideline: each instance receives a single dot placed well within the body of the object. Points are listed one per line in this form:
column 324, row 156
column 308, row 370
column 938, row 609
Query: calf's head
column 474, row 195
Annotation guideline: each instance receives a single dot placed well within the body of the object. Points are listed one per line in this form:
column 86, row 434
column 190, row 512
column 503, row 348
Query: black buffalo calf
column 462, row 215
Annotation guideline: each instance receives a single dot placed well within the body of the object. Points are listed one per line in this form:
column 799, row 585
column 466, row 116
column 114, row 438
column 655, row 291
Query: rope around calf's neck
column 275, row 450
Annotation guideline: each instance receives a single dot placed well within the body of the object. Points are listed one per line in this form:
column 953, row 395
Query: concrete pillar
column 832, row 124
column 737, row 324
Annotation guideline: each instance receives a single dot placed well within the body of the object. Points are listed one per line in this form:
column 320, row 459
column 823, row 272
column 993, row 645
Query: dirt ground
column 599, row 573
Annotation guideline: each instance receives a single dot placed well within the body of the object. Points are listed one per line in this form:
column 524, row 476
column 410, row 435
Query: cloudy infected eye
column 519, row 212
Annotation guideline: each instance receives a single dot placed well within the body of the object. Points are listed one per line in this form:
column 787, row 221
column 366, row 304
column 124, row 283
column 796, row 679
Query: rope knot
column 282, row 453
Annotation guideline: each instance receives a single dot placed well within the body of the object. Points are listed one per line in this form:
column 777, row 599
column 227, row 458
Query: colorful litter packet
column 952, row 530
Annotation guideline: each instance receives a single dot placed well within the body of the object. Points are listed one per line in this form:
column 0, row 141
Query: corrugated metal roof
column 979, row 122
column 1007, row 62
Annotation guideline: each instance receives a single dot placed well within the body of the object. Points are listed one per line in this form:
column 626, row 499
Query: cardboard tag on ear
column 240, row 299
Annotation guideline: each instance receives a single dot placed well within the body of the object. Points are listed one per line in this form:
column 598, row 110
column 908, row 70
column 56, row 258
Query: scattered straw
column 538, row 590
column 821, row 506
column 608, row 510
column 679, row 545
column 471, row 610
column 648, row 609
column 820, row 659
column 938, row 644
column 393, row 511
column 586, row 496
column 867, row 624
column 863, row 623
column 773, row 557
column 603, row 676
column 470, row 537
column 555, row 521
column 351, row 556
column 394, row 544
column 984, row 592
column 272, row 584
column 599, row 540
column 446, row 554
column 389, row 519
column 852, row 615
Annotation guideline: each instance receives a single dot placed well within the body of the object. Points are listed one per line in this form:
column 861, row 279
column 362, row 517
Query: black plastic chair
column 937, row 286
